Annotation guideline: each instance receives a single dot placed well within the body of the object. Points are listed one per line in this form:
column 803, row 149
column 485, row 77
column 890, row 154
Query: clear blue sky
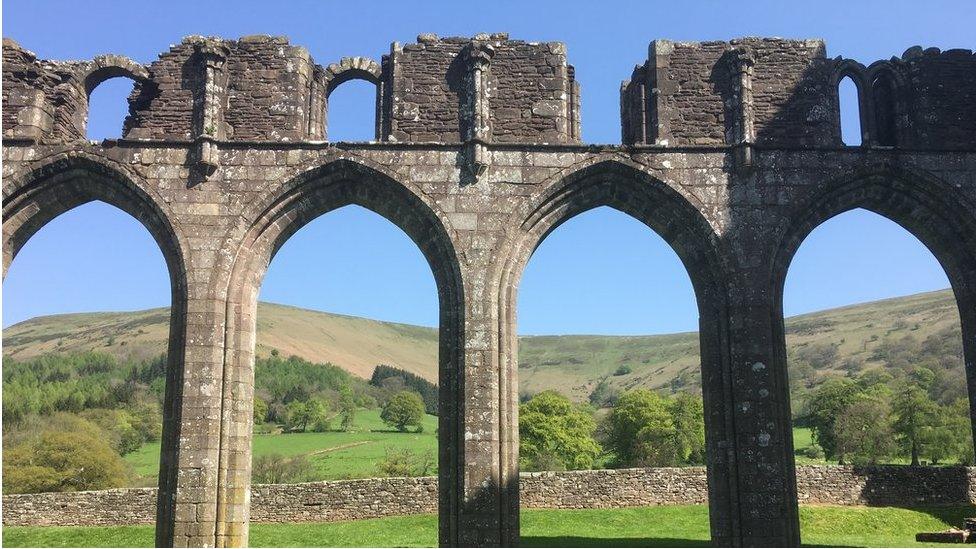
column 602, row 272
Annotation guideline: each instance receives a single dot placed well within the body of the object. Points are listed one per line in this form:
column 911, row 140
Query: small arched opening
column 885, row 115
column 352, row 99
column 848, row 97
column 108, row 107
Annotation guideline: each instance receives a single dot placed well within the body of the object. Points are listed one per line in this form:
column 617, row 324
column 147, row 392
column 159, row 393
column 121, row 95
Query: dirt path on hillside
column 339, row 447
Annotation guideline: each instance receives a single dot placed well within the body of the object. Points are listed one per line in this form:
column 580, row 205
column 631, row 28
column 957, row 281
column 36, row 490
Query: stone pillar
column 659, row 86
column 317, row 113
column 237, row 413
column 188, row 472
column 763, row 505
column 209, row 96
column 743, row 131
column 476, row 113
column 967, row 320
column 486, row 510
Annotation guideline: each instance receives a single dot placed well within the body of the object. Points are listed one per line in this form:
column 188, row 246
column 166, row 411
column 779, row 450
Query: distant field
column 354, row 454
column 335, row 455
column 664, row 526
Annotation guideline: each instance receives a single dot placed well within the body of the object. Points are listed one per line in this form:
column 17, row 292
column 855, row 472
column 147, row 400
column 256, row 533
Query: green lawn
column 362, row 448
column 682, row 526
column 335, row 455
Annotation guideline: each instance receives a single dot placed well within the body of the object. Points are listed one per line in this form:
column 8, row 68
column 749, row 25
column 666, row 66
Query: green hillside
column 857, row 337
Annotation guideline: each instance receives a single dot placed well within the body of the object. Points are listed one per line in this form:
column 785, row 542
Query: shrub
column 277, row 469
column 623, row 370
column 63, row 461
column 401, row 462
column 814, row 451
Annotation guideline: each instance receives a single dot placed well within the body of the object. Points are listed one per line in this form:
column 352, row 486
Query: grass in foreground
column 664, row 526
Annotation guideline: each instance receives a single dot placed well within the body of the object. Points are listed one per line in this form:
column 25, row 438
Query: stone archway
column 679, row 221
column 307, row 196
column 920, row 204
column 66, row 181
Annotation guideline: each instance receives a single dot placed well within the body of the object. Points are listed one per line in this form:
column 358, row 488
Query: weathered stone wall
column 692, row 90
column 530, row 97
column 163, row 106
column 268, row 86
column 383, row 497
column 942, row 93
column 686, row 92
column 922, row 99
column 266, row 90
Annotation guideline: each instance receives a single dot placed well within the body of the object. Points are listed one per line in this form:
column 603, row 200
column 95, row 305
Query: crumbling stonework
column 732, row 154
column 612, row 488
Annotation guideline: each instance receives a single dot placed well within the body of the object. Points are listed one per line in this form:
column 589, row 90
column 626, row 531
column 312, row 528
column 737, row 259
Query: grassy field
column 355, row 454
column 335, row 455
column 571, row 364
column 665, row 526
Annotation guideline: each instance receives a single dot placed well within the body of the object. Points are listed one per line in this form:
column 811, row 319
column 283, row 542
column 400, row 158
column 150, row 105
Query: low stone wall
column 371, row 498
column 889, row 485
column 343, row 499
column 613, row 488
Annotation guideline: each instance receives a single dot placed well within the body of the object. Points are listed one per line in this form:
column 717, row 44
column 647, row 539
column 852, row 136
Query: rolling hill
column 573, row 364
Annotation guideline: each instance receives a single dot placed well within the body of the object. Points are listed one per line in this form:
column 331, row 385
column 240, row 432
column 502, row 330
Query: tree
column 395, row 379
column 863, row 431
column 302, row 415
column 347, row 410
column 555, row 434
column 296, row 416
column 404, row 409
column 689, row 419
column 915, row 417
column 318, row 415
column 260, row 410
column 642, row 431
column 951, row 434
column 603, row 394
column 826, row 404
column 60, row 461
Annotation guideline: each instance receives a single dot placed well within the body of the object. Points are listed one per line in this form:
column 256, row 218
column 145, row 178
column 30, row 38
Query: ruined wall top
column 261, row 88
column 781, row 92
column 491, row 89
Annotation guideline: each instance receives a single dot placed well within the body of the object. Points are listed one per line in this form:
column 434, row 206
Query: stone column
column 486, row 510
column 744, row 134
column 208, row 103
column 189, row 458
column 763, row 503
column 476, row 114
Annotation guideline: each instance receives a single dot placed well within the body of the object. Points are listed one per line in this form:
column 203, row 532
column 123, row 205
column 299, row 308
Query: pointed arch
column 277, row 215
column 678, row 219
column 64, row 181
column 848, row 69
column 930, row 209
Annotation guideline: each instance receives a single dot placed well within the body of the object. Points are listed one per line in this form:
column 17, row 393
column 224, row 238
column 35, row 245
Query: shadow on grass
column 952, row 515
column 580, row 541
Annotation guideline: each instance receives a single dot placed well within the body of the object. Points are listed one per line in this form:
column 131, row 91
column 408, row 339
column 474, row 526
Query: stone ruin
column 731, row 151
